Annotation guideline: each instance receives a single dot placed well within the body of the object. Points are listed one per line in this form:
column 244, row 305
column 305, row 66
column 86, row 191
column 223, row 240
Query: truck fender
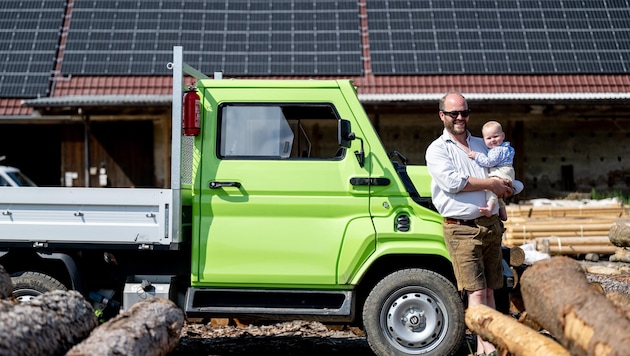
column 71, row 267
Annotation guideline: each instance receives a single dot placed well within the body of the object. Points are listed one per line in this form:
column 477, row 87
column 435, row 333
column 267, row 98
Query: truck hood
column 421, row 179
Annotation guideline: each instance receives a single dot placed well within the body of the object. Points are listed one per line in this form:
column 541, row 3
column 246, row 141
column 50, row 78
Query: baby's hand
column 472, row 154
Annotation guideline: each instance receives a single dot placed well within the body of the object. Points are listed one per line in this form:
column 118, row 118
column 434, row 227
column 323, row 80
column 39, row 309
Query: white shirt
column 450, row 167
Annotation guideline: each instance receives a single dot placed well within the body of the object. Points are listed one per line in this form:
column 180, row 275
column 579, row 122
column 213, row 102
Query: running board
column 272, row 304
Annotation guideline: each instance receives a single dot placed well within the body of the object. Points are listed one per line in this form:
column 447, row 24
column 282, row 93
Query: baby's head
column 493, row 134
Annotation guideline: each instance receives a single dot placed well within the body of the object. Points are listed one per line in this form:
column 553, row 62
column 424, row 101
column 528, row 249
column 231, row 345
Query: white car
column 13, row 177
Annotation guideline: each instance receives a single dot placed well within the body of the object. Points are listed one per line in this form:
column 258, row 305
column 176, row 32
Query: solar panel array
column 239, row 37
column 29, row 38
column 508, row 37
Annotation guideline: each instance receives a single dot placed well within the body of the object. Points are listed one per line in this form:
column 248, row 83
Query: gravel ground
column 314, row 338
column 286, row 338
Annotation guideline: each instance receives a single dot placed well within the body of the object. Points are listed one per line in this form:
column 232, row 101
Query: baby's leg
column 491, row 200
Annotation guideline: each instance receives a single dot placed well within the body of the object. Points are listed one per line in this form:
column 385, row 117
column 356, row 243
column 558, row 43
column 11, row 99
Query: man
column 458, row 190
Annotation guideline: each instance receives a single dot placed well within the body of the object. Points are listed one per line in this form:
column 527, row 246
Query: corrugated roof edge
column 136, row 100
column 432, row 98
column 99, row 100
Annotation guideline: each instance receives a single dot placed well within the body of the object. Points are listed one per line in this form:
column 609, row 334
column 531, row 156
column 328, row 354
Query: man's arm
column 501, row 187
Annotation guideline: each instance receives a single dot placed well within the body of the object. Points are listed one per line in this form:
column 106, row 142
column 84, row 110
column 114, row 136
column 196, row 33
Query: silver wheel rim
column 415, row 321
column 25, row 295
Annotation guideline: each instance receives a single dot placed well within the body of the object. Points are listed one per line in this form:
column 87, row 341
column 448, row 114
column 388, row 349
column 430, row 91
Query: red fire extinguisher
column 191, row 123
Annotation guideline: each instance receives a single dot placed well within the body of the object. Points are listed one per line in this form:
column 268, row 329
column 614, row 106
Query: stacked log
column 555, row 245
column 151, row 327
column 49, row 324
column 558, row 296
column 578, row 211
column 507, row 334
column 559, row 299
column 568, row 230
column 6, row 286
column 60, row 322
column 522, row 231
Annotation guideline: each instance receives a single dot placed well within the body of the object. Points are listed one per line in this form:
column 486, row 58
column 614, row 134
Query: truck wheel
column 27, row 285
column 414, row 312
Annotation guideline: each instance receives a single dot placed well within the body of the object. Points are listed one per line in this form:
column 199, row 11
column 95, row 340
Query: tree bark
column 508, row 334
column 557, row 295
column 151, row 327
column 49, row 324
column 621, row 301
column 619, row 233
column 6, row 286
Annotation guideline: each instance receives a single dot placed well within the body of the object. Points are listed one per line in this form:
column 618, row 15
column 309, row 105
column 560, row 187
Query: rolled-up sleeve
column 442, row 171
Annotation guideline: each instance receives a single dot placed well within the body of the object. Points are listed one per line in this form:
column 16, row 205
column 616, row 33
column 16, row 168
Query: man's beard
column 456, row 130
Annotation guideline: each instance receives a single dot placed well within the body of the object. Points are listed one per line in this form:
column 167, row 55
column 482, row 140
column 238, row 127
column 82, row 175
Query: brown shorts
column 475, row 250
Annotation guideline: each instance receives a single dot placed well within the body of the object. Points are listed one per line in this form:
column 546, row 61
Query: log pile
column 568, row 230
column 559, row 299
column 63, row 322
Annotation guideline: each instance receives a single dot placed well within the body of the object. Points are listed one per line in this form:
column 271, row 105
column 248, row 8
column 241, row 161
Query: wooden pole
column 508, row 334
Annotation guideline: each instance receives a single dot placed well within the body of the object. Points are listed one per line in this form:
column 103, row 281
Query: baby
column 498, row 160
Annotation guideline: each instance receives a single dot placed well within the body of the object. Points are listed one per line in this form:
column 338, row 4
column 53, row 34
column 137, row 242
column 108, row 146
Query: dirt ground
column 314, row 338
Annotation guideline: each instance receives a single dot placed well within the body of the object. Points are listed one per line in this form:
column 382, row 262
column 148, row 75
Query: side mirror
column 344, row 133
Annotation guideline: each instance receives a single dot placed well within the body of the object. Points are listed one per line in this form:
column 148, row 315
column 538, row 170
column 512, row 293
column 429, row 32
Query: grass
column 624, row 197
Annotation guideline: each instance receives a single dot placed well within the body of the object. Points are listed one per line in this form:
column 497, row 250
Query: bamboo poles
column 563, row 230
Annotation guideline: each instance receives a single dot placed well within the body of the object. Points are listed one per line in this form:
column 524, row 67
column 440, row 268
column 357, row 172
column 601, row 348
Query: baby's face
column 493, row 137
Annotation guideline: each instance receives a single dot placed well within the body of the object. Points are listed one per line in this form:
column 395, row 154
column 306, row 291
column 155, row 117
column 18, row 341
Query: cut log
column 49, row 324
column 517, row 256
column 6, row 286
column 557, row 295
column 620, row 233
column 150, row 327
column 509, row 335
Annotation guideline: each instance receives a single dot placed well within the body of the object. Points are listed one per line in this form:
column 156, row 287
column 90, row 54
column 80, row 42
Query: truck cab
column 298, row 211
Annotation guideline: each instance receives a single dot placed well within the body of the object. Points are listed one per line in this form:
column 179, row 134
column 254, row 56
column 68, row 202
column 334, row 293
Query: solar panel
column 499, row 37
column 29, row 34
column 238, row 37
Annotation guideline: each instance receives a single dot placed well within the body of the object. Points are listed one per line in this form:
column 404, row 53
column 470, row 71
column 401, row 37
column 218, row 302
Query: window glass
column 280, row 131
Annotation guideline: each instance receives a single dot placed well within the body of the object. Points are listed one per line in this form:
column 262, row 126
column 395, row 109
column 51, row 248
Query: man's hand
column 501, row 187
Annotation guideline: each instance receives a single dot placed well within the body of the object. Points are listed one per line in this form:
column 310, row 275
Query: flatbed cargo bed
column 134, row 216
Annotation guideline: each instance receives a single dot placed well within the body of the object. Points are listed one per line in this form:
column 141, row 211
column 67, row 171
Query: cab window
column 278, row 131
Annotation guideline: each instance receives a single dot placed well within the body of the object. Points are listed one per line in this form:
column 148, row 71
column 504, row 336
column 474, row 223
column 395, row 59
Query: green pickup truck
column 284, row 205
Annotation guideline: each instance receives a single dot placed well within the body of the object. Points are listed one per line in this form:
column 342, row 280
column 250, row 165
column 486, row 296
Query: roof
column 115, row 53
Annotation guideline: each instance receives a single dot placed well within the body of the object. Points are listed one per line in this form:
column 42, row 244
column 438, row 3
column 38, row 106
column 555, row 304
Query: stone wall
column 561, row 149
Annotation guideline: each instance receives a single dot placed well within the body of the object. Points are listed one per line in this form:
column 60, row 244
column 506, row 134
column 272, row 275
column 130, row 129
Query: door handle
column 217, row 185
column 369, row 181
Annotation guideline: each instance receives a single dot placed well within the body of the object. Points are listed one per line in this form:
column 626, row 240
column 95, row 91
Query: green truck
column 284, row 205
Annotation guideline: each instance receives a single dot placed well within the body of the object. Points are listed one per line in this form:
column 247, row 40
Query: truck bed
column 127, row 216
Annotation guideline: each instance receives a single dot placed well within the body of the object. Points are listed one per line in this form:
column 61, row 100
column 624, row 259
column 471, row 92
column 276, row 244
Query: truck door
column 276, row 200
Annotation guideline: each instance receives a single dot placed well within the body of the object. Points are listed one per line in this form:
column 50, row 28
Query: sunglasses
column 455, row 114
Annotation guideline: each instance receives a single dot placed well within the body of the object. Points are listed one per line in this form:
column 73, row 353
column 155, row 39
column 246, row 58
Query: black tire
column 27, row 285
column 414, row 312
